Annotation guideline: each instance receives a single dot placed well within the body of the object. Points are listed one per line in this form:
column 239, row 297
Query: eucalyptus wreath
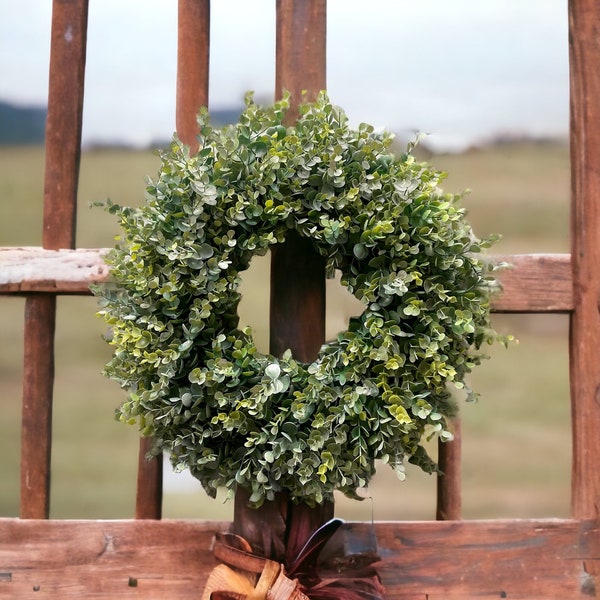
column 235, row 416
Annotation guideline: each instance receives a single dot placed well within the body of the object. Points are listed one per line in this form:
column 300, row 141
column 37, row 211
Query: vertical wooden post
column 148, row 498
column 63, row 144
column 193, row 29
column 584, row 50
column 297, row 271
column 193, row 51
column 449, row 493
column 36, row 420
column 301, row 47
column 297, row 320
column 63, row 122
column 297, row 315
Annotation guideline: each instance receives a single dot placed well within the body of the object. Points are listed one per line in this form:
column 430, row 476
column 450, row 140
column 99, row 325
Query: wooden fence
column 153, row 558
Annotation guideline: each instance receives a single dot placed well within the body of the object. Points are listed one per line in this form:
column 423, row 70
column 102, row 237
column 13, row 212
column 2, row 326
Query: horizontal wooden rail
column 535, row 283
column 541, row 559
column 532, row 282
column 32, row 269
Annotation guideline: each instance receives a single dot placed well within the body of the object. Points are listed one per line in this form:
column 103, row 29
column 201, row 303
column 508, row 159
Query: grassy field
column 516, row 439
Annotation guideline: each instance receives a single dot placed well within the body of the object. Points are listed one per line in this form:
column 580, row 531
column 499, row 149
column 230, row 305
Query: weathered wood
column 297, row 317
column 449, row 484
column 297, row 313
column 535, row 283
column 148, row 499
column 297, row 302
column 192, row 67
column 170, row 559
column 36, row 420
column 584, row 23
column 32, row 269
column 301, row 45
column 540, row 559
column 489, row 559
column 193, row 35
column 64, row 121
column 193, row 29
column 525, row 283
column 63, row 147
column 91, row 559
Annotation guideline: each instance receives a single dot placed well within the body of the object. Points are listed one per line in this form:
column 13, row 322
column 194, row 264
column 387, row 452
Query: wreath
column 235, row 416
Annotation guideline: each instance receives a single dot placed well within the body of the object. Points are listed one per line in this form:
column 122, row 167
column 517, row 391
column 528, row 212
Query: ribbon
column 244, row 575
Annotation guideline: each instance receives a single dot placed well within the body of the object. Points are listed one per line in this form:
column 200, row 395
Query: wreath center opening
column 253, row 309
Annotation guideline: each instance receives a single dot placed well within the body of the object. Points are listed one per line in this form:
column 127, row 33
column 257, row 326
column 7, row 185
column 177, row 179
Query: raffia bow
column 243, row 575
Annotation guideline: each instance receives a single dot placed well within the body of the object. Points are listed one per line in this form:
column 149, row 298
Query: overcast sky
column 459, row 70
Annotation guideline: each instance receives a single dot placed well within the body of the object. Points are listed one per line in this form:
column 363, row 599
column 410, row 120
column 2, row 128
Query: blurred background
column 487, row 83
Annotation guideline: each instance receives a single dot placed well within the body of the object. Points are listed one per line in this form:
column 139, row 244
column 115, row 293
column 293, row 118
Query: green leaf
column 205, row 251
column 360, row 251
column 273, row 370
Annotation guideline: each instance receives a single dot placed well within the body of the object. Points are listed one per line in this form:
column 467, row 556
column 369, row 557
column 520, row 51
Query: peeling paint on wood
column 32, row 269
column 524, row 286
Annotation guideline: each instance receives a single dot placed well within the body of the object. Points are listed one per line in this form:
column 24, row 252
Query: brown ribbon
column 243, row 575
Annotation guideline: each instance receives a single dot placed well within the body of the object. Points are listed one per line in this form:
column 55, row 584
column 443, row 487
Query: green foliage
column 236, row 417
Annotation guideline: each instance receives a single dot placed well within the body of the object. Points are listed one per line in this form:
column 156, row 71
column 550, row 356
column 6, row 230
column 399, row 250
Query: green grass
column 520, row 191
column 516, row 440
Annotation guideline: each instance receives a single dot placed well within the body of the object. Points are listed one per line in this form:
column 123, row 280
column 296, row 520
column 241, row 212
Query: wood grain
column 524, row 560
column 33, row 270
column 300, row 47
column 584, row 46
column 449, row 484
column 539, row 559
column 64, row 122
column 297, row 306
column 63, row 148
column 532, row 283
column 36, row 408
column 297, row 315
column 193, row 52
column 149, row 486
column 535, row 283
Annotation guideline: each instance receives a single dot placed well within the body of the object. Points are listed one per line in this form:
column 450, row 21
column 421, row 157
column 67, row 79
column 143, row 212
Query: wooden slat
column 193, row 30
column 148, row 499
column 32, row 270
column 91, row 559
column 36, row 420
column 489, row 559
column 63, row 140
column 297, row 313
column 297, row 294
column 534, row 283
column 584, row 23
column 301, row 45
column 192, row 67
column 449, row 483
column 64, row 121
column 540, row 559
column 297, row 317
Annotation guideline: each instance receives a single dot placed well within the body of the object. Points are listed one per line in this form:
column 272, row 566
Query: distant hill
column 20, row 125
column 225, row 116
column 25, row 125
